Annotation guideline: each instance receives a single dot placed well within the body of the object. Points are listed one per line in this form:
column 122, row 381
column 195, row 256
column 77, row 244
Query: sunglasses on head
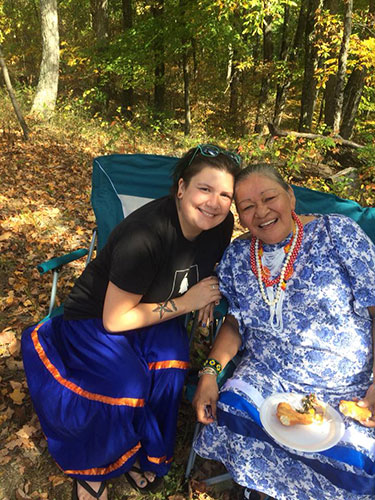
column 210, row 150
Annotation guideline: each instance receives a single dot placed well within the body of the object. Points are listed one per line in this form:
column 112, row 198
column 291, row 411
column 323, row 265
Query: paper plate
column 309, row 438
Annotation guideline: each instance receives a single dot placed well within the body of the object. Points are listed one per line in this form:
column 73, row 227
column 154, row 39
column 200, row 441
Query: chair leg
column 217, row 479
column 192, row 454
column 191, row 461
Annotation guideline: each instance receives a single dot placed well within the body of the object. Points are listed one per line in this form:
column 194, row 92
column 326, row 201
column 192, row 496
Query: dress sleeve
column 225, row 271
column 356, row 253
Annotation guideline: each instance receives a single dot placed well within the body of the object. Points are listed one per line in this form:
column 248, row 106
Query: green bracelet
column 212, row 363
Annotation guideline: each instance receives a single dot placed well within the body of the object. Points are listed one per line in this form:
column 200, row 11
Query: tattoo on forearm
column 164, row 308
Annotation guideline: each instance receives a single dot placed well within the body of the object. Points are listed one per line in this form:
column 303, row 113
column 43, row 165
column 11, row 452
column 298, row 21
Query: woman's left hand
column 206, row 314
column 369, row 402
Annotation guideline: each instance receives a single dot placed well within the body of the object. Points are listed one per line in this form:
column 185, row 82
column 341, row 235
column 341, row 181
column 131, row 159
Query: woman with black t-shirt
column 106, row 378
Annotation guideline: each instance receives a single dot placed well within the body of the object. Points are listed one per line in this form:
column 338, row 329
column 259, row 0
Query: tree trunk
column 12, row 96
column 284, row 85
column 352, row 98
column 341, row 72
column 127, row 98
column 261, row 118
column 187, row 112
column 309, row 90
column 301, row 26
column 46, row 92
column 159, row 85
column 185, row 68
column 234, row 85
column 99, row 14
column 329, row 91
column 99, row 24
column 329, row 100
column 230, row 64
column 355, row 85
column 127, row 14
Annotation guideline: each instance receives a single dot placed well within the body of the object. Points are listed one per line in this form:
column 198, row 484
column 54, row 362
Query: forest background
column 290, row 82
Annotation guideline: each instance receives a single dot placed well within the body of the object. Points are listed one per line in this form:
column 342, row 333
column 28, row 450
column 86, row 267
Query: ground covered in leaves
column 45, row 212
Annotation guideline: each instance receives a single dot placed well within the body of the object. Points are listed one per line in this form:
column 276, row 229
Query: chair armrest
column 57, row 262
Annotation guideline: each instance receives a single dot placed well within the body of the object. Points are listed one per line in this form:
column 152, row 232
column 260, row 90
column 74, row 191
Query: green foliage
column 324, row 144
column 20, row 37
column 328, row 44
column 209, row 33
column 367, row 153
column 291, row 154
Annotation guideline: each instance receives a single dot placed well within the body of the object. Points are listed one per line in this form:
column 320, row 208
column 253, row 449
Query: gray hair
column 262, row 169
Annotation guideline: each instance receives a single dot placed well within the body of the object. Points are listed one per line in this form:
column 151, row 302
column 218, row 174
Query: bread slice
column 352, row 410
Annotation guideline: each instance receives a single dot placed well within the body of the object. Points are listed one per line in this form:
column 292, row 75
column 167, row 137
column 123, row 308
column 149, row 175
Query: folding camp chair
column 308, row 201
column 120, row 185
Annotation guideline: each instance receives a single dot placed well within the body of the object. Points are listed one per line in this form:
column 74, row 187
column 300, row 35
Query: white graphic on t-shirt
column 183, row 280
column 184, row 284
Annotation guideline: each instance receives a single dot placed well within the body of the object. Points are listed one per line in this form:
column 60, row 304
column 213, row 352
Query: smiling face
column 265, row 207
column 205, row 201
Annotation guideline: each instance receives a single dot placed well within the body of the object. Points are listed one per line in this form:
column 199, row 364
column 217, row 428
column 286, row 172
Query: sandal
column 87, row 487
column 150, row 485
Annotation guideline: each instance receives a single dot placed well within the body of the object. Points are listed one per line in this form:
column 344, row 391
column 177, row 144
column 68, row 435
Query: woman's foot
column 150, row 476
column 142, row 480
column 89, row 490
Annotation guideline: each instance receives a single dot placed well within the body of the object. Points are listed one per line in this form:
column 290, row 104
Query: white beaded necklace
column 283, row 270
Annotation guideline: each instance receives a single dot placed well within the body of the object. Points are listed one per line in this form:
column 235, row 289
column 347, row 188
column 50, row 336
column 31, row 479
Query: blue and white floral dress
column 323, row 346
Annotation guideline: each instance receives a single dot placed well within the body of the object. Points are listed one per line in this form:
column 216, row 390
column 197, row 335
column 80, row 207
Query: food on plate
column 351, row 409
column 312, row 411
column 289, row 416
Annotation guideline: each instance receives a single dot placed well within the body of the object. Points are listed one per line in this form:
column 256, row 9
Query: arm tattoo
column 163, row 308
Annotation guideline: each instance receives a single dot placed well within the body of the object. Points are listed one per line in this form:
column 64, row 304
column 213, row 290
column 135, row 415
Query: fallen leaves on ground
column 45, row 212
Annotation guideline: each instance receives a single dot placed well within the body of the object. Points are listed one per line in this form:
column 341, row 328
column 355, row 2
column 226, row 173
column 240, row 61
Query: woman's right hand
column 205, row 399
column 203, row 293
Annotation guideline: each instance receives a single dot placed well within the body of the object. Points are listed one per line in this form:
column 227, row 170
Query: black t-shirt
column 147, row 254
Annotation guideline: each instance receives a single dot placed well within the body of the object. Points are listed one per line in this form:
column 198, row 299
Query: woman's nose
column 261, row 210
column 213, row 200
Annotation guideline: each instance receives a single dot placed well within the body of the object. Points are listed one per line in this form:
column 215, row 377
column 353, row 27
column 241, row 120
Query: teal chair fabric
column 122, row 183
column 310, row 201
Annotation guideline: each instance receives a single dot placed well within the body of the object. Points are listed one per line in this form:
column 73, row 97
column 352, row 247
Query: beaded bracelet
column 207, row 370
column 212, row 363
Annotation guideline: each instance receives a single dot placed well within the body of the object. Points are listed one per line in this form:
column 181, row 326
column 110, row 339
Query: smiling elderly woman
column 301, row 293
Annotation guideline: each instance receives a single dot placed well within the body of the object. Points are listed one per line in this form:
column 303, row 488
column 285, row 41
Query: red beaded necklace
column 264, row 271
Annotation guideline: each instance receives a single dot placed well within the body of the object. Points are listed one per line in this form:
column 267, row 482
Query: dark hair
column 187, row 167
column 262, row 169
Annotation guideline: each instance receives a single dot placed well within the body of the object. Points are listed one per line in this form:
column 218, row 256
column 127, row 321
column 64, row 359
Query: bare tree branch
column 12, row 96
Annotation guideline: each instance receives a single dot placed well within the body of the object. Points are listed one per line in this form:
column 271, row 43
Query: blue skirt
column 106, row 400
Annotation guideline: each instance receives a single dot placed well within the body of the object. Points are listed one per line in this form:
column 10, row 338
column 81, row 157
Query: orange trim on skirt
column 133, row 402
column 159, row 365
column 105, row 470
